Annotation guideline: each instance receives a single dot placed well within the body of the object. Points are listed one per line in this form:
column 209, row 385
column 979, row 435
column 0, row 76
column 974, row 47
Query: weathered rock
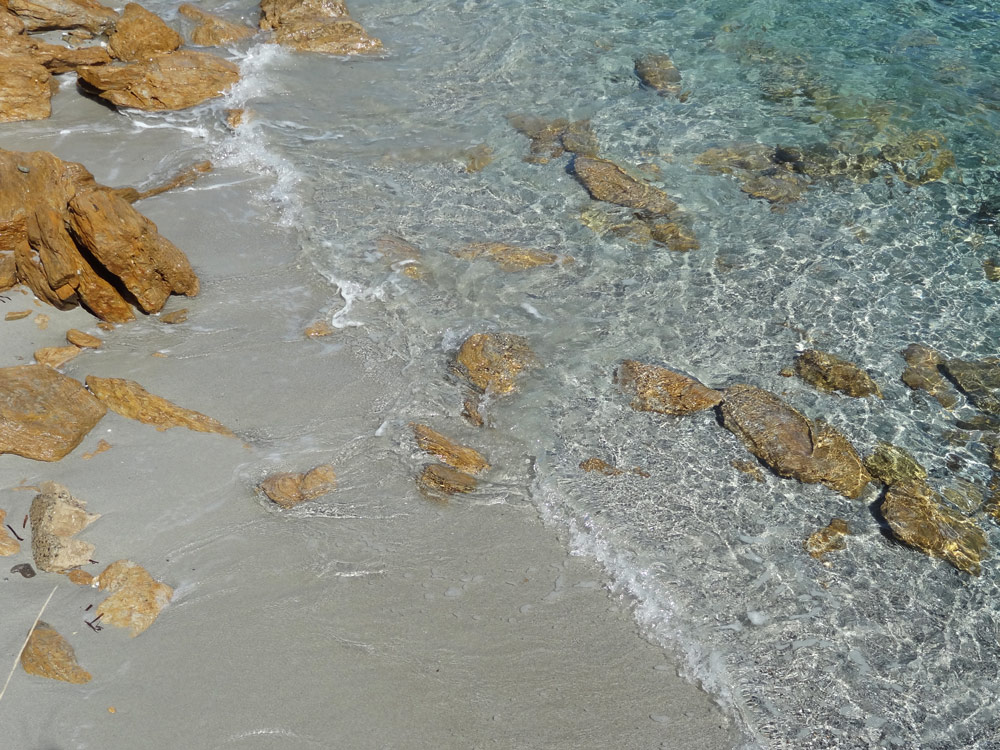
column 750, row 469
column 128, row 398
column 80, row 577
column 83, row 340
column 290, row 489
column 8, row 544
column 492, row 361
column 213, row 30
column 550, row 139
column 890, row 465
column 437, row 481
column 10, row 24
column 922, row 373
column 790, row 444
column 26, row 88
column 55, row 57
column 918, row 157
column 659, row 73
column 17, row 315
column 979, row 381
column 340, row 36
column 139, row 34
column 42, row 15
column 48, row 654
column 779, row 186
column 471, row 411
column 275, row 12
column 167, row 81
column 827, row 539
column 183, row 178
column 507, row 257
column 967, row 496
column 674, row 234
column 56, row 356
column 991, row 269
column 56, row 517
column 8, row 271
column 664, row 391
column 44, row 414
column 24, row 570
column 594, row 464
column 918, row 518
column 458, row 456
column 136, row 598
column 831, row 373
column 175, row 317
column 606, row 181
column 752, row 157
column 319, row 329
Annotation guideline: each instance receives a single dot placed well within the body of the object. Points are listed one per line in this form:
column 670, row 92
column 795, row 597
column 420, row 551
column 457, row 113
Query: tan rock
column 8, row 544
column 8, row 271
column 341, row 36
column 595, row 464
column 318, row 481
column 136, row 598
column 437, row 481
column 658, row 72
column 56, row 58
column 458, row 456
column 471, row 411
column 478, row 158
column 235, row 118
column 400, row 254
column 26, row 88
column 139, row 34
column 290, row 489
column 507, row 257
column 83, row 340
column 17, row 315
column 606, row 181
column 550, row 139
column 167, row 81
column 80, row 577
column 56, row 356
column 922, row 373
column 48, row 654
column 664, row 391
column 102, row 446
column 56, row 517
column 128, row 398
column 891, row 464
column 978, row 380
column 10, row 24
column 827, row 539
column 185, row 177
column 42, row 15
column 175, row 316
column 213, row 30
column 44, row 414
column 275, row 12
column 492, row 361
column 319, row 329
column 674, row 234
column 831, row 373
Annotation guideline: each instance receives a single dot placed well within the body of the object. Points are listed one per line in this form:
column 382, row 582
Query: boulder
column 978, row 380
column 128, row 398
column 831, row 373
column 213, row 30
column 56, row 517
column 48, row 654
column 290, row 489
column 8, row 544
column 923, row 373
column 658, row 72
column 664, row 391
column 789, row 443
column 341, row 36
column 140, row 34
column 437, row 481
column 550, row 139
column 275, row 12
column 891, row 464
column 166, row 81
column 606, row 181
column 457, row 456
column 827, row 539
column 43, row 414
column 43, row 15
column 136, row 598
column 491, row 362
column 507, row 257
column 26, row 88
column 918, row 518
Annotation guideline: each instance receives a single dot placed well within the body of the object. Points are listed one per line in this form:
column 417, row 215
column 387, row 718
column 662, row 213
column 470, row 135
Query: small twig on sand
column 21, row 650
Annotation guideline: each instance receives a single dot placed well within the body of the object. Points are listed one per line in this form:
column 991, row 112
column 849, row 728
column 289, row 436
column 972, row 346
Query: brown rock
column 478, row 158
column 139, row 34
column 8, row 271
column 601, row 467
column 458, row 456
column 492, row 361
column 83, row 340
column 979, row 381
column 10, row 24
column 827, row 539
column 42, row 15
column 659, row 73
column 891, row 464
column 48, row 654
column 167, row 81
column 175, row 316
column 290, row 489
column 831, row 373
column 663, row 391
column 606, row 181
column 918, row 518
column 26, row 88
column 922, row 373
column 341, row 36
column 56, row 517
column 17, row 315
column 437, row 481
column 790, row 444
column 508, row 257
column 400, row 254
column 55, row 57
column 318, row 481
column 44, row 414
column 674, row 234
column 56, row 356
column 213, row 30
column 471, row 411
column 750, row 469
column 8, row 544
column 550, row 139
column 136, row 598
column 319, row 329
column 128, row 398
column 80, row 577
column 235, row 118
column 183, row 178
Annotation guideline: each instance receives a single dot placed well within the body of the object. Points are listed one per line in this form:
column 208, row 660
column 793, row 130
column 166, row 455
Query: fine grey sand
column 370, row 618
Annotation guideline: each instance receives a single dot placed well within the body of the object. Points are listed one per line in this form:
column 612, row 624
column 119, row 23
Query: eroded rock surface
column 828, row 539
column 458, row 456
column 213, row 30
column 493, row 361
column 316, row 26
column 48, row 654
column 290, row 489
column 56, row 356
column 829, row 372
column 43, row 15
column 56, row 517
column 664, row 391
column 136, row 597
column 128, row 398
column 26, row 87
column 139, row 34
column 890, row 465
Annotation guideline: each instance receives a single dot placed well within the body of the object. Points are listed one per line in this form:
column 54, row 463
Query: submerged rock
column 658, row 72
column 140, row 34
column 128, row 398
column 290, row 489
column 56, row 517
column 44, row 15
column 457, row 456
column 827, row 539
column 664, row 391
column 48, row 654
column 676, row 235
column 213, row 30
column 891, row 464
column 136, row 597
column 491, row 362
column 979, row 381
column 600, row 466
column 923, row 373
column 606, row 181
column 789, row 443
column 274, row 12
column 749, row 468
column 185, row 177
column 550, row 139
column 43, row 414
column 507, row 257
column 918, row 518
column 8, row 544
column 437, row 481
column 401, row 255
column 831, row 373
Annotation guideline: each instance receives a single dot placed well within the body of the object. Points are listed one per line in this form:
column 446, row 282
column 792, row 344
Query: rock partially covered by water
column 26, row 87
column 48, row 654
column 290, row 489
column 978, row 380
column 460, row 457
column 8, row 544
column 316, row 26
column 166, row 81
column 831, row 373
column 550, row 139
column 890, row 465
column 57, row 58
column 790, row 444
column 437, row 481
column 764, row 172
column 139, row 34
column 128, row 398
column 918, row 518
column 213, row 30
column 274, row 12
column 659, row 73
column 43, row 414
column 43, row 15
column 923, row 373
column 828, row 539
column 136, row 597
column 56, row 517
column 507, row 257
column 606, row 181
column 664, row 391
column 491, row 362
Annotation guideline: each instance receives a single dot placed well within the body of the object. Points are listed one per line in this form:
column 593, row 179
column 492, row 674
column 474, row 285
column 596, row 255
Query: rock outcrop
column 45, row 15
column 128, row 398
column 827, row 539
column 658, row 72
column 26, row 87
column 56, row 517
column 290, row 489
column 664, row 391
column 48, row 654
column 457, row 456
column 136, row 597
column 140, row 34
column 606, row 181
column 213, row 30
column 492, row 362
column 316, row 26
column 831, row 373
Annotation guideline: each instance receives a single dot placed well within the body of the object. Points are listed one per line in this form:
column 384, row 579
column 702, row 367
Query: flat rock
column 923, row 373
column 139, row 34
column 213, row 30
column 136, row 598
column 831, row 373
column 457, row 456
column 827, row 539
column 43, row 15
column 890, row 465
column 43, row 414
column 83, row 340
column 918, row 518
column 274, row 12
column 550, row 139
column 290, row 489
column 493, row 361
column 26, row 88
column 978, row 380
column 606, row 181
column 658, row 72
column 507, row 257
column 56, row 517
column 56, row 356
column 790, row 444
column 437, row 481
column 48, row 654
column 8, row 544
column 664, row 391
column 128, row 398
column 56, row 58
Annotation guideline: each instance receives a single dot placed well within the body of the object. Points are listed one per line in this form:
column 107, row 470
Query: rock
column 342, row 36
column 43, row 15
column 102, row 446
column 831, row 373
column 827, row 539
column 674, row 234
column 658, row 72
column 80, row 577
column 8, row 544
column 275, row 12
column 550, row 139
column 17, row 315
column 24, row 570
column 213, row 30
column 663, row 391
column 10, row 24
column 918, row 157
column 778, row 186
column 290, row 489
column 44, row 414
column 26, row 88
column 979, row 381
column 175, row 317
column 991, row 269
column 83, row 340
column 917, row 518
column 56, row 517
column 56, row 356
column 471, row 411
column 601, row 467
column 507, row 257
column 789, row 443
column 967, row 496
column 437, row 481
column 458, row 456
column 891, row 464
column 183, row 178
column 922, row 373
column 400, row 254
column 8, row 272
column 128, row 398
column 136, row 598
column 742, row 158
column 139, row 34
column 48, row 654
column 491, row 362
column 478, row 158
column 319, row 329
column 750, row 469
column 167, row 81
column 606, row 181
column 55, row 57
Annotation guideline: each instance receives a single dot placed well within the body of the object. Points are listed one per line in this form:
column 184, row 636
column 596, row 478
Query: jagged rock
column 166, row 81
column 831, row 373
column 56, row 58
column 213, row 30
column 492, row 361
column 606, row 181
column 139, row 34
column 48, row 654
column 341, row 36
column 10, row 24
column 56, row 356
column 827, row 539
column 136, row 597
column 42, row 15
column 26, row 87
column 275, row 12
column 8, row 544
column 44, row 414
column 83, row 340
column 789, row 443
column 128, row 398
column 56, row 517
column 663, row 391
column 922, row 373
column 437, row 481
column 891, row 464
column 659, row 73
column 290, row 489
column 507, row 257
column 458, row 456
column 550, row 139
column 750, row 469
column 979, row 381
column 918, row 518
